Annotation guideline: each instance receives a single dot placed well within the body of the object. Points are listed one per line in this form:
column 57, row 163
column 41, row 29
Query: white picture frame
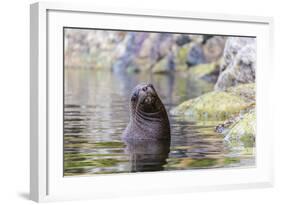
column 46, row 179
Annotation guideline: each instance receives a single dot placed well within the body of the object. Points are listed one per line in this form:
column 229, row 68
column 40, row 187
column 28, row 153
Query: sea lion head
column 144, row 98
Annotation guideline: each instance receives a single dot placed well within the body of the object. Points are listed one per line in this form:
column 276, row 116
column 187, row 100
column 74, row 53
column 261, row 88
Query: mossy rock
column 201, row 70
column 181, row 68
column 246, row 91
column 243, row 132
column 181, row 109
column 182, row 53
column 180, row 59
column 217, row 105
column 213, row 105
column 161, row 67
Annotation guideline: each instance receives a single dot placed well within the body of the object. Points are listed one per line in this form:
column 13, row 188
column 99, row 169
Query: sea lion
column 148, row 116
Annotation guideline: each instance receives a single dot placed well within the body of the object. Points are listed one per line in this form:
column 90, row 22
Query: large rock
column 195, row 55
column 92, row 48
column 143, row 50
column 239, row 63
column 216, row 105
column 147, row 46
column 163, row 45
column 155, row 48
column 213, row 48
column 182, row 40
column 165, row 65
column 133, row 44
column 180, row 53
column 139, row 51
column 207, row 49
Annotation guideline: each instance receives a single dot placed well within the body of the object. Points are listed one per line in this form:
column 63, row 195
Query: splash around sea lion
column 148, row 116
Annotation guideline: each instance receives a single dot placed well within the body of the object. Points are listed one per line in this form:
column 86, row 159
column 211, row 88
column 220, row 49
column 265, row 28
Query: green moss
column 181, row 68
column 161, row 67
column 180, row 59
column 246, row 91
column 213, row 105
column 182, row 53
column 180, row 109
column 202, row 69
column 218, row 105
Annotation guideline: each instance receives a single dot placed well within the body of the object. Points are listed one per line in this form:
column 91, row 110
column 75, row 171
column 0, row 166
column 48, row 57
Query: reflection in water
column 96, row 114
column 147, row 155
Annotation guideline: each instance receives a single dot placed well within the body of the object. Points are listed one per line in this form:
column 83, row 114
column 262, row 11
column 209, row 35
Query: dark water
column 96, row 114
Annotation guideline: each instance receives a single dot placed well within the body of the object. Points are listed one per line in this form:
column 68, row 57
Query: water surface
column 96, row 112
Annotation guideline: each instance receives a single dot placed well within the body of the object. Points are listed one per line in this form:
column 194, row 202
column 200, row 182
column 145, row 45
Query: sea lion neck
column 147, row 117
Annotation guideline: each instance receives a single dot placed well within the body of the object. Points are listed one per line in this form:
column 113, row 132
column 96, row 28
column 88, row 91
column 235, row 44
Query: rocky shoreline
column 228, row 63
column 233, row 99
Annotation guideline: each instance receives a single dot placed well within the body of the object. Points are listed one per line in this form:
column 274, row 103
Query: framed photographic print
column 128, row 101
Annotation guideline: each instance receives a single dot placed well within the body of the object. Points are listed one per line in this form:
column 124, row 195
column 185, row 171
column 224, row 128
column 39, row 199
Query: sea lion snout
column 147, row 94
